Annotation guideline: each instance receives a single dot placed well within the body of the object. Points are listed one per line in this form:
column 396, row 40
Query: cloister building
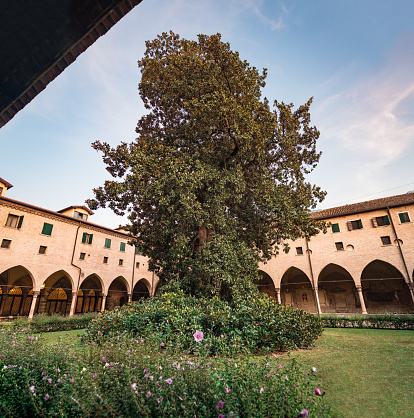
column 363, row 264
column 60, row 262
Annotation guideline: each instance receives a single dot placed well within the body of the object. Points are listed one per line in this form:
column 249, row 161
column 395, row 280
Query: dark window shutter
column 84, row 235
column 122, row 246
column 90, row 238
column 386, row 220
column 359, row 224
column 335, row 227
column 47, row 229
column 349, row 225
column 107, row 243
column 19, row 225
column 374, row 222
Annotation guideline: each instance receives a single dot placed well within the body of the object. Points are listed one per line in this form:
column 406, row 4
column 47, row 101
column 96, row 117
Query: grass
column 366, row 372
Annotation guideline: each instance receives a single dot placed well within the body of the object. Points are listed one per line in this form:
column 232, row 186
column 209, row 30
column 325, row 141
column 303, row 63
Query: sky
column 355, row 58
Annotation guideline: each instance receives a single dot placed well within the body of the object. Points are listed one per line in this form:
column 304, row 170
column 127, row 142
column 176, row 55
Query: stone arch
column 337, row 291
column 16, row 294
column 117, row 293
column 296, row 290
column 265, row 284
column 384, row 288
column 56, row 294
column 142, row 289
column 89, row 297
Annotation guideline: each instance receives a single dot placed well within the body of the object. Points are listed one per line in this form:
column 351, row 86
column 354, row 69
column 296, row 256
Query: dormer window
column 79, row 215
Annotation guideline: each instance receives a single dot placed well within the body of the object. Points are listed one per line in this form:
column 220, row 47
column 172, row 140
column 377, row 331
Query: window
column 14, row 221
column 339, row 246
column 82, row 256
column 6, row 243
column 386, row 240
column 87, row 238
column 299, row 251
column 335, row 228
column 137, row 265
column 42, row 249
column 380, row 221
column 354, row 225
column 105, row 260
column 404, row 218
column 122, row 247
column 47, row 229
column 107, row 243
column 137, row 252
column 121, row 262
column 79, row 215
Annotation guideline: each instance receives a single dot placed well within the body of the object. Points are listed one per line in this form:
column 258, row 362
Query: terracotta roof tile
column 367, row 206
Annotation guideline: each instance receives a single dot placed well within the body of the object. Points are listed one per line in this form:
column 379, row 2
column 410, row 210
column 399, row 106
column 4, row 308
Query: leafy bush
column 379, row 321
column 46, row 323
column 253, row 324
column 126, row 377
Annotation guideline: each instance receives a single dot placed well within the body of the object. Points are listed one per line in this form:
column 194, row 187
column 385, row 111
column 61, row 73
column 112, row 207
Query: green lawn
column 365, row 372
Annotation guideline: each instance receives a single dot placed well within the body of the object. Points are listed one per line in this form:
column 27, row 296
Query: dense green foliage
column 252, row 325
column 215, row 180
column 377, row 321
column 55, row 322
column 128, row 377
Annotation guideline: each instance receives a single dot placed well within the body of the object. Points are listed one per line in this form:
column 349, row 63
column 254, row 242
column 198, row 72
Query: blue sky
column 356, row 58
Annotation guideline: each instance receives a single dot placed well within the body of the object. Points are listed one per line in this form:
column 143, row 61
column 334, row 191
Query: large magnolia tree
column 215, row 181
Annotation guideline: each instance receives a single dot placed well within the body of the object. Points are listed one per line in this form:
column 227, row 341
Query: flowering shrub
column 125, row 377
column 172, row 320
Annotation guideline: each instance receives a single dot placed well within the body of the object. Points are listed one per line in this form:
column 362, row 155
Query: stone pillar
column 318, row 305
column 73, row 303
column 33, row 305
column 103, row 302
column 129, row 297
column 278, row 298
column 361, row 299
column 43, row 300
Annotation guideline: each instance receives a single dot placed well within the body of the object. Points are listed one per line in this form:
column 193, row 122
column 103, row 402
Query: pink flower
column 198, row 336
column 220, row 405
column 318, row 392
column 162, row 344
column 304, row 412
column 169, row 381
column 314, row 369
column 103, row 358
column 280, row 367
column 134, row 386
column 148, row 394
column 261, row 390
column 221, row 416
column 227, row 390
column 47, row 397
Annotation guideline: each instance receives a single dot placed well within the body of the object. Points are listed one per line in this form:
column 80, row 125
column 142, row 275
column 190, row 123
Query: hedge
column 374, row 321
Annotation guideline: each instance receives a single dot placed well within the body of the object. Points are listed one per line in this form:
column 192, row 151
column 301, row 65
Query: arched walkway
column 16, row 291
column 337, row 291
column 55, row 294
column 296, row 290
column 385, row 289
column 117, row 294
column 89, row 295
column 266, row 285
column 141, row 290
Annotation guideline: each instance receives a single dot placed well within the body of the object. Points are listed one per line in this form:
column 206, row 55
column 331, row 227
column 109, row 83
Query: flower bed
column 379, row 321
column 125, row 376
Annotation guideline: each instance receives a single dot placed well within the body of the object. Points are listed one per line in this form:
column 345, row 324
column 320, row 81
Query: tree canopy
column 215, row 180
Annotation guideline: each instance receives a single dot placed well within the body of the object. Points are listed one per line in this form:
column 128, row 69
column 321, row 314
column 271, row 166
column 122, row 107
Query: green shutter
column 404, row 217
column 47, row 229
column 359, row 224
column 386, row 220
column 136, row 250
column 19, row 225
column 122, row 247
column 90, row 238
column 335, row 228
column 84, row 235
column 107, row 243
